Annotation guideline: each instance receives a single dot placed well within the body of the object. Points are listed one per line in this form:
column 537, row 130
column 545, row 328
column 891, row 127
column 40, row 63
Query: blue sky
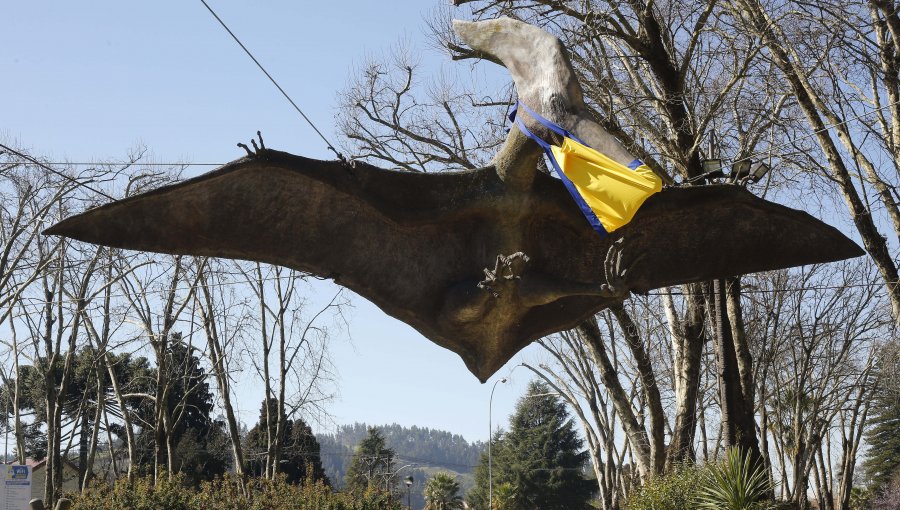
column 87, row 81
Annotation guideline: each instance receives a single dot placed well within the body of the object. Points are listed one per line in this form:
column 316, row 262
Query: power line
column 816, row 132
column 269, row 76
column 36, row 301
column 772, row 291
column 184, row 164
column 49, row 169
column 125, row 163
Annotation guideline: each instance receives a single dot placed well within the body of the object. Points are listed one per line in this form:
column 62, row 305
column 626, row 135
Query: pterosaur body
column 482, row 261
column 418, row 245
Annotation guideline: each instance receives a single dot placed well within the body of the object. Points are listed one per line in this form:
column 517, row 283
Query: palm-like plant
column 734, row 484
column 505, row 496
column 442, row 493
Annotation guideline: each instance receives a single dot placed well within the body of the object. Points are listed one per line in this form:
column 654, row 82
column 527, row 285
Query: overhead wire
column 269, row 76
column 124, row 163
column 751, row 290
column 181, row 163
column 816, row 132
column 54, row 171
column 149, row 293
column 340, row 156
column 36, row 301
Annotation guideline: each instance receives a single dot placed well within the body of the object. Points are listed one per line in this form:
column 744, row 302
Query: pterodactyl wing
column 417, row 245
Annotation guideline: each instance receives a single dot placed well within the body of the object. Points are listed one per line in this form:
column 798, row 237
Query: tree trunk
column 83, row 444
column 126, row 418
column 217, row 357
column 17, row 416
column 161, row 407
column 741, row 342
column 649, row 386
column 738, row 424
column 688, row 340
column 637, row 437
column 282, row 374
column 268, row 472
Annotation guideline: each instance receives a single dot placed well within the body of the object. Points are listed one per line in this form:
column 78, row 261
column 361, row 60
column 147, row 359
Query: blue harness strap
column 570, row 186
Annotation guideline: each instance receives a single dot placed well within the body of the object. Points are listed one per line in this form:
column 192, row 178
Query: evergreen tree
column 133, row 374
column 372, row 464
column 197, row 439
column 442, row 493
column 540, row 461
column 883, row 462
column 300, row 450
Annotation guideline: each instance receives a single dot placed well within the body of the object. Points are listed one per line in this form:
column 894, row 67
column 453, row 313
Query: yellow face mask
column 613, row 191
column 608, row 193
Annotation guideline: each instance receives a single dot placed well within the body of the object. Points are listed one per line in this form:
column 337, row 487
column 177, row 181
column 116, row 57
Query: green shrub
column 732, row 484
column 673, row 491
column 736, row 483
column 227, row 494
column 141, row 494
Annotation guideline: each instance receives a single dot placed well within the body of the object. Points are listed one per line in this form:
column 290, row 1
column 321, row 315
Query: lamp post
column 490, row 439
column 408, row 481
column 736, row 415
column 388, row 477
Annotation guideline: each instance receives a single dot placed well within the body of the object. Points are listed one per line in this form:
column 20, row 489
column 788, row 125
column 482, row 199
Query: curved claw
column 503, row 270
column 258, row 150
column 614, row 272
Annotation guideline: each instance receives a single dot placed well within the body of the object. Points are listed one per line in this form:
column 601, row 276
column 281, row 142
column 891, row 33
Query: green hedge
column 226, row 494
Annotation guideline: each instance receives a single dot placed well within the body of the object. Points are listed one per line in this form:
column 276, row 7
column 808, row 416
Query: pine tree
column 196, row 437
column 304, row 453
column 540, row 461
column 883, row 462
column 301, row 453
column 371, row 465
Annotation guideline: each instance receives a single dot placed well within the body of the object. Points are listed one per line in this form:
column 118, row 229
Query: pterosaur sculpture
column 481, row 262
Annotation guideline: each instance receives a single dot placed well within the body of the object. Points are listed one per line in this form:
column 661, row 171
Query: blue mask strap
column 570, row 186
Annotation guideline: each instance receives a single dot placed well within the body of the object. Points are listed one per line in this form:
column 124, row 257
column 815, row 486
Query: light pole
column 490, row 439
column 390, row 476
column 408, row 481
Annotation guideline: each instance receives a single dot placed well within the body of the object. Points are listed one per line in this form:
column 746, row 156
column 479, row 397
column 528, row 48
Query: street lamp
column 746, row 170
column 408, row 481
column 490, row 439
column 712, row 168
column 742, row 171
column 758, row 171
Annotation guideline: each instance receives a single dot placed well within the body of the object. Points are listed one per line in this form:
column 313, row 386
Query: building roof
column 38, row 464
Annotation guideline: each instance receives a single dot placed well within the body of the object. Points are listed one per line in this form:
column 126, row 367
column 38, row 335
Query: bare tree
column 387, row 116
column 298, row 332
column 816, row 330
column 224, row 319
column 838, row 59
column 158, row 308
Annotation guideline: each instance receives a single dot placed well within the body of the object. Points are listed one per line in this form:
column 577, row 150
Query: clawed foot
column 258, row 150
column 503, row 272
column 615, row 272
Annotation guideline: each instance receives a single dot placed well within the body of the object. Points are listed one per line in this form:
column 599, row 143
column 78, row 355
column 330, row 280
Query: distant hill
column 430, row 450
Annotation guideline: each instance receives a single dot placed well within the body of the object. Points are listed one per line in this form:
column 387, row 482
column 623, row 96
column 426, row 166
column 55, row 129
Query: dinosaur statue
column 481, row 262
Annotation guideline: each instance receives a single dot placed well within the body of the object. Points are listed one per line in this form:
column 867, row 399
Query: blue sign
column 17, row 473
